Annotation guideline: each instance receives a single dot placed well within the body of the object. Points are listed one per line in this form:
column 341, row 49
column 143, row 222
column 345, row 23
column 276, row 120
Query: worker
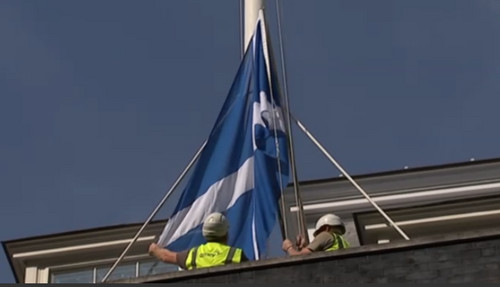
column 214, row 252
column 327, row 237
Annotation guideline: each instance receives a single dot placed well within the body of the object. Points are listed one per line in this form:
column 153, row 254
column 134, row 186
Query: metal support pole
column 351, row 180
column 155, row 211
column 300, row 215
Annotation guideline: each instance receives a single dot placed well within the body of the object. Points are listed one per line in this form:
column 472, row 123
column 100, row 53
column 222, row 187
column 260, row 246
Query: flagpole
column 251, row 14
column 301, row 218
column 303, row 128
column 242, row 29
column 155, row 211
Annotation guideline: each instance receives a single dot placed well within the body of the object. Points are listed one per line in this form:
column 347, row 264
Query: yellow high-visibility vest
column 340, row 242
column 212, row 254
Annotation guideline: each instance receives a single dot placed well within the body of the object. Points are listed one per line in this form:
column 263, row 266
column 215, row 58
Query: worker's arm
column 163, row 254
column 289, row 248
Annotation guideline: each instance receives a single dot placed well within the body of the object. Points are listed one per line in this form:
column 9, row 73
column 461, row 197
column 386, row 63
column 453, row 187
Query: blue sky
column 103, row 103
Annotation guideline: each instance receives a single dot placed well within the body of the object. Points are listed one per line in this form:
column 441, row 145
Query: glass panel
column 73, row 276
column 121, row 272
column 148, row 268
column 124, row 271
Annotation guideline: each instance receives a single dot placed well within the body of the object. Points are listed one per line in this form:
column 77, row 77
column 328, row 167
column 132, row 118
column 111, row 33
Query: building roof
column 405, row 192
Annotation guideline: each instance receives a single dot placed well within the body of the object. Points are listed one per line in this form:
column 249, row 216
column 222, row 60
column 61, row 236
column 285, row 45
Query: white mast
column 251, row 13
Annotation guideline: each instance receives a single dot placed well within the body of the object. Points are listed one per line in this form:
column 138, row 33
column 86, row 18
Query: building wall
column 458, row 258
column 395, row 190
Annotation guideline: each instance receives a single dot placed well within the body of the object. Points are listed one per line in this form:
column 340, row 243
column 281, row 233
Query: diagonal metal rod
column 155, row 211
column 302, row 127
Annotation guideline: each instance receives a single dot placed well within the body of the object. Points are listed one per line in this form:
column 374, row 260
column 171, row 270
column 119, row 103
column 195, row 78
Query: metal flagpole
column 298, row 199
column 350, row 179
column 155, row 211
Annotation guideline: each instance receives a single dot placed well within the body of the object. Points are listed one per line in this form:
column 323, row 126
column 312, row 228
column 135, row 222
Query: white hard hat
column 329, row 219
column 215, row 226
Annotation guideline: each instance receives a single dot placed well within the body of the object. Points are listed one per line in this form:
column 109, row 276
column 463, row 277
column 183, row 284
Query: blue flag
column 244, row 164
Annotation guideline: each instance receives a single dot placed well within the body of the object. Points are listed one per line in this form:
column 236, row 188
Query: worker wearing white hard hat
column 328, row 236
column 214, row 252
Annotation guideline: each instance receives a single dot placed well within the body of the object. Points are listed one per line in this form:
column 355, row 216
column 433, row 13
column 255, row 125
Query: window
column 122, row 271
column 95, row 274
column 435, row 219
column 149, row 268
column 73, row 276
